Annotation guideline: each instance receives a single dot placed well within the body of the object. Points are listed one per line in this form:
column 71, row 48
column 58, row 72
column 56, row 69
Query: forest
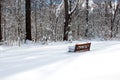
column 58, row 20
column 59, row 39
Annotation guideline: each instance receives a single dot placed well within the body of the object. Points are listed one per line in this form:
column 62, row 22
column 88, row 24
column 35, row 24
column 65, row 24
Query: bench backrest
column 82, row 47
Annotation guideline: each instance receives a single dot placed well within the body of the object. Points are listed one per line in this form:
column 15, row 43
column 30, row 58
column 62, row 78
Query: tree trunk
column 66, row 23
column 68, row 14
column 0, row 23
column 113, row 20
column 87, row 12
column 36, row 31
column 28, row 20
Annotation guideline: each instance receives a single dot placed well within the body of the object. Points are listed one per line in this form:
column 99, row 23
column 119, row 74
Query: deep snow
column 54, row 62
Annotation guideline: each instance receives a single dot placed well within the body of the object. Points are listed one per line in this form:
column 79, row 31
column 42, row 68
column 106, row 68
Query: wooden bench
column 82, row 47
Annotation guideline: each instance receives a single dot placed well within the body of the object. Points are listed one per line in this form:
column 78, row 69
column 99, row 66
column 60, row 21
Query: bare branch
column 60, row 7
column 72, row 11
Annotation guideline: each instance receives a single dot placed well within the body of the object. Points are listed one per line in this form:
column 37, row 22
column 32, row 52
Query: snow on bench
column 80, row 47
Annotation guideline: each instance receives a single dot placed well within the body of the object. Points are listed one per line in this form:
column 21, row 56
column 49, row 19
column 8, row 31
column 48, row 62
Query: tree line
column 57, row 20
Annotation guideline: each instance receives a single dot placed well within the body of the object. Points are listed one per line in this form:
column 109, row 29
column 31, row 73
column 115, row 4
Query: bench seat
column 80, row 47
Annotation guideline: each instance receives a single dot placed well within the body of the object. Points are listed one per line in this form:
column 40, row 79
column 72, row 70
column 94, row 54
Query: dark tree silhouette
column 0, row 22
column 28, row 20
column 68, row 14
column 113, row 20
column 87, row 12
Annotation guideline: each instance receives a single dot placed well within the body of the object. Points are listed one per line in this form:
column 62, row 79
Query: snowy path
column 16, row 60
column 53, row 62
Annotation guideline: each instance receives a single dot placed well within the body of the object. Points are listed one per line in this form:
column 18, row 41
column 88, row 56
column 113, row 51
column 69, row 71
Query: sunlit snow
column 54, row 62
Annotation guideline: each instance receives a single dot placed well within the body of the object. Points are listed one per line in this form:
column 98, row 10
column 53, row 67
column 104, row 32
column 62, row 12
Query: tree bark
column 113, row 20
column 87, row 13
column 66, row 23
column 68, row 14
column 28, row 20
column 0, row 23
column 36, row 31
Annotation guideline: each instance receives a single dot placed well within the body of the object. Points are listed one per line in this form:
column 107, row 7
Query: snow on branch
column 74, row 8
column 60, row 7
column 115, row 12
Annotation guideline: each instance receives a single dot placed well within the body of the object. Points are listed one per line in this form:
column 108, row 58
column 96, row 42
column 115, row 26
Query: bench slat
column 82, row 47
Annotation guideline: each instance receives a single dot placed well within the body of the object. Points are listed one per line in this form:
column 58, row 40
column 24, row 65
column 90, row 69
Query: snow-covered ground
column 54, row 62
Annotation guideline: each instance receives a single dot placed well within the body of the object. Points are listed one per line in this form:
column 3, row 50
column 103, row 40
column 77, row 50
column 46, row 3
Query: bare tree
column 87, row 13
column 0, row 22
column 36, row 31
column 68, row 14
column 20, row 18
column 28, row 20
column 113, row 19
